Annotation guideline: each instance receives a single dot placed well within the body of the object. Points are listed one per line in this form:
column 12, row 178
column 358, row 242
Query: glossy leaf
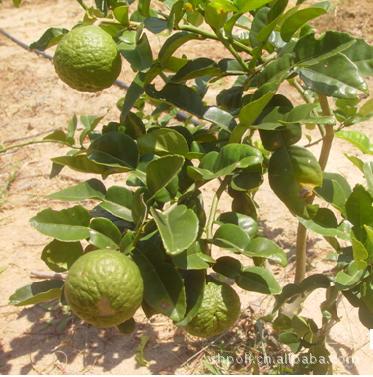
column 160, row 172
column 228, row 266
column 178, row 227
column 359, row 139
column 246, row 223
column 103, row 233
column 49, row 38
column 335, row 190
column 114, row 149
column 291, row 171
column 36, row 293
column 59, row 256
column 191, row 259
column 264, row 248
column 310, row 50
column 194, row 282
column 81, row 163
column 296, row 20
column 68, row 225
column 118, row 201
column 163, row 287
column 163, row 141
column 230, row 157
column 335, row 77
column 258, row 279
column 91, row 189
column 361, row 53
column 231, row 237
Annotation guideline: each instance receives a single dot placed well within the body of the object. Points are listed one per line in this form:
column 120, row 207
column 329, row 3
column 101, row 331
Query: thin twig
column 48, row 275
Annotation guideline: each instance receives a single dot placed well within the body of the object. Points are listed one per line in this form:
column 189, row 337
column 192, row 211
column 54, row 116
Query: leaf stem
column 209, row 35
column 214, row 207
column 301, row 244
column 7, row 149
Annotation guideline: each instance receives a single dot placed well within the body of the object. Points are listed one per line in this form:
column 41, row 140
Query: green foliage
column 157, row 215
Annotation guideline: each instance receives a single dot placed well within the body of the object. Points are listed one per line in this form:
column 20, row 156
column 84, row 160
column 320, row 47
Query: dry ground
column 32, row 102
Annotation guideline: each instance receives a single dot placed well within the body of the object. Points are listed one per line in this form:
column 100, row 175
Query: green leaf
column 231, row 156
column 219, row 117
column 246, row 223
column 335, row 190
column 191, row 259
column 273, row 70
column 59, row 256
column 359, row 210
column 164, row 290
column 360, row 140
column 264, row 248
column 118, row 201
column 121, row 14
column 258, row 279
column 361, row 53
column 228, row 266
column 181, row 96
column 291, row 171
column 248, row 115
column 325, row 223
column 114, row 149
column 59, row 136
column 231, row 237
column 194, row 282
column 247, row 6
column 163, row 141
column 359, row 252
column 90, row 122
column 50, row 38
column 172, row 44
column 139, row 54
column 127, row 327
column 196, row 68
column 336, row 76
column 103, row 233
column 160, row 172
column 178, row 227
column 66, row 225
column 81, row 163
column 91, row 189
column 137, row 88
column 296, row 20
column 310, row 50
column 355, row 272
column 36, row 293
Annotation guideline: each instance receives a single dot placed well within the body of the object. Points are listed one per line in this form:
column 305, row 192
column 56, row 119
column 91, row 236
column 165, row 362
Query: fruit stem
column 301, row 245
column 214, row 207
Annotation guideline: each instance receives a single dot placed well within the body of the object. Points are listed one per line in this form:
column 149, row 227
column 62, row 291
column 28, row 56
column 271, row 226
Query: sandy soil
column 33, row 101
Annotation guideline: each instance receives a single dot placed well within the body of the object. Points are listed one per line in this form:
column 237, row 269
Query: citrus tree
column 147, row 242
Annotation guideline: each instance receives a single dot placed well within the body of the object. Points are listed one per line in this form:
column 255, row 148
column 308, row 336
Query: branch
column 48, row 275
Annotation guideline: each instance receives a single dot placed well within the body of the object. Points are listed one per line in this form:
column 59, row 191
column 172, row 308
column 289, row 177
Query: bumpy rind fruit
column 218, row 312
column 87, row 59
column 104, row 288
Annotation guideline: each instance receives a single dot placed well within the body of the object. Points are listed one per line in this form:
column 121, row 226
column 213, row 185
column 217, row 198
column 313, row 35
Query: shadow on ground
column 60, row 340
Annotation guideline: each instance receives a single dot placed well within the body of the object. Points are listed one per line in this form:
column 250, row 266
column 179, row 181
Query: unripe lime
column 87, row 59
column 104, row 288
column 218, row 312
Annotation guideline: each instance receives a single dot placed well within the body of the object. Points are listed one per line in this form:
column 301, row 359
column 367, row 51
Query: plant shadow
column 54, row 344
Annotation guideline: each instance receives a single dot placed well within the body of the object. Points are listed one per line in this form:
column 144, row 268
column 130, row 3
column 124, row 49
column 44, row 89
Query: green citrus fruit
column 218, row 312
column 87, row 59
column 104, row 288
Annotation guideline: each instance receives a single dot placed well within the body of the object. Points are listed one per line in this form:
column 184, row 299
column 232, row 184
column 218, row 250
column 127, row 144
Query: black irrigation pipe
column 180, row 115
